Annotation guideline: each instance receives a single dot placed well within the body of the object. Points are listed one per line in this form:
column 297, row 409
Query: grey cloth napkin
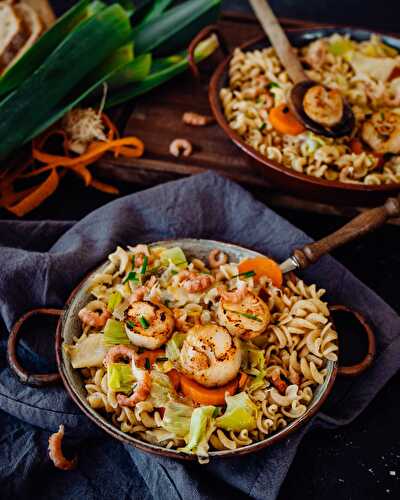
column 41, row 262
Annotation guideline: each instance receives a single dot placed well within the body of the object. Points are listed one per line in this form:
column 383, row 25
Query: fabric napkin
column 41, row 262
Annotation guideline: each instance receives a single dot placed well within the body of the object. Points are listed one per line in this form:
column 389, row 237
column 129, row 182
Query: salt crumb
column 371, row 471
column 392, row 472
column 340, row 480
column 387, row 491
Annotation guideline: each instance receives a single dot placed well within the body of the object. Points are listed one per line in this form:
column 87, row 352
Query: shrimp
column 140, row 252
column 141, row 391
column 393, row 99
column 179, row 146
column 323, row 106
column 56, row 454
column 382, row 132
column 91, row 316
column 196, row 120
column 119, row 352
column 316, row 54
column 138, row 294
column 193, row 282
column 237, row 296
column 217, row 258
column 143, row 378
column 277, row 382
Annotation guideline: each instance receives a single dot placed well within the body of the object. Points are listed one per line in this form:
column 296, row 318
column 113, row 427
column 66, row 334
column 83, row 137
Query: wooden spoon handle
column 359, row 226
column 279, row 40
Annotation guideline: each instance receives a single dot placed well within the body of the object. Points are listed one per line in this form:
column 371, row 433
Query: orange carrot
column 284, row 121
column 356, row 146
column 104, row 187
column 263, row 266
column 205, row 395
column 243, row 377
column 175, row 378
column 36, row 197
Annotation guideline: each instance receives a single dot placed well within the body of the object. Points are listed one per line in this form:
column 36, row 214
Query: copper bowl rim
column 110, row 429
column 216, row 83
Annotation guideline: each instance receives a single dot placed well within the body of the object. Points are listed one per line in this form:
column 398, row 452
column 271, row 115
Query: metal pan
column 69, row 326
column 285, row 178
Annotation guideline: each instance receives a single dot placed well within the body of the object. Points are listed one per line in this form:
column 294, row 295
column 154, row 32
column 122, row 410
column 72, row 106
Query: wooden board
column 157, row 119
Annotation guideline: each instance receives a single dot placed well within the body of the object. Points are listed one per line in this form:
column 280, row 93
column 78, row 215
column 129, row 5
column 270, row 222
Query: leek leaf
column 25, row 66
column 174, row 345
column 87, row 352
column 159, row 6
column 176, row 28
column 113, row 301
column 79, row 53
column 161, row 388
column 156, row 78
column 174, row 255
column 201, row 428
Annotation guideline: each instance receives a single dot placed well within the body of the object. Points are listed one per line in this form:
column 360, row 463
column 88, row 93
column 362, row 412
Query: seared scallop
column 246, row 319
column 149, row 325
column 210, row 355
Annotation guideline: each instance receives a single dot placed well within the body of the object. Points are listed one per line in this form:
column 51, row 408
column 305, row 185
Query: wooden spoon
column 302, row 84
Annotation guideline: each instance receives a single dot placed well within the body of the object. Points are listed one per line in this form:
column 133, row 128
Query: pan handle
column 33, row 379
column 359, row 226
column 357, row 369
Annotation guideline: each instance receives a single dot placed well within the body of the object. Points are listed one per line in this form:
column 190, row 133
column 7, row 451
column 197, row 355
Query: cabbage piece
column 174, row 346
column 174, row 255
column 114, row 333
column 162, row 390
column 201, row 427
column 88, row 352
column 113, row 301
column 177, row 418
column 340, row 46
column 253, row 361
column 120, row 377
column 379, row 68
column 240, row 414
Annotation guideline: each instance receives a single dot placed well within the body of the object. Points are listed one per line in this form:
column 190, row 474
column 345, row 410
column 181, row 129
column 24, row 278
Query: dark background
column 362, row 460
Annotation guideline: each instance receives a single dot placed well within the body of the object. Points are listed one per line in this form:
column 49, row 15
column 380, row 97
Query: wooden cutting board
column 157, row 119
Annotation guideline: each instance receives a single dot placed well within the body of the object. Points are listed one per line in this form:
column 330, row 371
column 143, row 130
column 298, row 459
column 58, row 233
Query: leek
column 31, row 60
column 176, row 28
column 174, row 255
column 113, row 301
column 79, row 53
column 156, row 10
column 174, row 346
column 240, row 414
column 201, row 428
column 120, row 377
column 176, row 418
column 156, row 78
column 114, row 333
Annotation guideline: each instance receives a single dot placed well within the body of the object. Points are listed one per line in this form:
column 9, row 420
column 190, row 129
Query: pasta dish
column 200, row 355
column 366, row 74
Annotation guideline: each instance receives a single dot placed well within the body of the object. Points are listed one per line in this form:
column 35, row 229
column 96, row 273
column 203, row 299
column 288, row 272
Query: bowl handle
column 204, row 33
column 33, row 379
column 357, row 369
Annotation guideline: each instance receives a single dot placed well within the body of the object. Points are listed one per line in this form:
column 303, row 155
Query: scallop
column 210, row 355
column 149, row 325
column 247, row 319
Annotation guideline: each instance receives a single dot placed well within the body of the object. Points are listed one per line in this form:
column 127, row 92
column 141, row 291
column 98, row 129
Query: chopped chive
column 143, row 321
column 217, row 412
column 246, row 274
column 130, row 277
column 272, row 85
column 262, row 127
column 174, row 272
column 245, row 315
column 144, row 266
column 147, row 364
column 131, row 324
column 162, row 359
column 133, row 260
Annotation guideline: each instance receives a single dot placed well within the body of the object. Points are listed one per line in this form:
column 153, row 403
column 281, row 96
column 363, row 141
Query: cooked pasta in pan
column 366, row 73
column 201, row 356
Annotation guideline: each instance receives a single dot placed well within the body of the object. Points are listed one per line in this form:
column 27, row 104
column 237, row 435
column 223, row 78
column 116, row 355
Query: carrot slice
column 149, row 358
column 263, row 266
column 243, row 377
column 104, row 187
column 37, row 196
column 356, row 146
column 284, row 121
column 175, row 378
column 204, row 395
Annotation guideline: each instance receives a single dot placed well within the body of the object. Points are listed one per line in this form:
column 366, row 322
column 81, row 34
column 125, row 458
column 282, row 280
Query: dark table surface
column 362, row 460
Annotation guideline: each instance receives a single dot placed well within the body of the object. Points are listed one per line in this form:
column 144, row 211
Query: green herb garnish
column 246, row 274
column 144, row 266
column 133, row 260
column 131, row 324
column 131, row 277
column 262, row 127
column 143, row 321
column 272, row 85
column 245, row 315
column 147, row 364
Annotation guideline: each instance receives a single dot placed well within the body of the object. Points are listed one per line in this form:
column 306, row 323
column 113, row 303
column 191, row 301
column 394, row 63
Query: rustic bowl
column 69, row 326
column 303, row 185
